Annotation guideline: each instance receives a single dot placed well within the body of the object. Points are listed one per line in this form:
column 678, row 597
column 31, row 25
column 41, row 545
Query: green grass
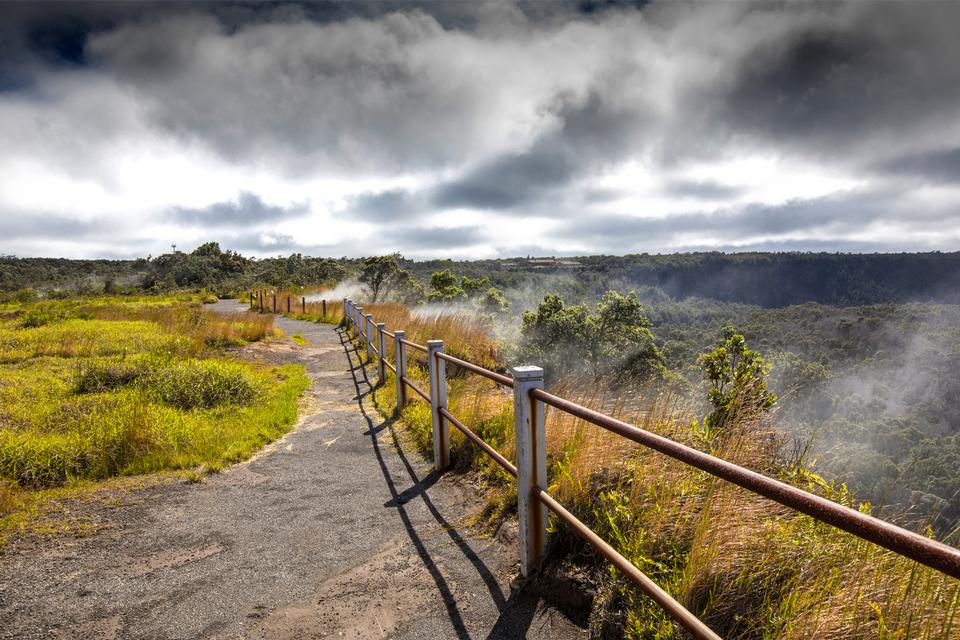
column 87, row 394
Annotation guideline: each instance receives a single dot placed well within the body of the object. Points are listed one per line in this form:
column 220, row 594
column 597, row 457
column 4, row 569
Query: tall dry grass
column 465, row 336
column 749, row 567
column 203, row 325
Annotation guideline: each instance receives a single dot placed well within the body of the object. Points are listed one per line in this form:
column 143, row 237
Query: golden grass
column 747, row 566
column 465, row 336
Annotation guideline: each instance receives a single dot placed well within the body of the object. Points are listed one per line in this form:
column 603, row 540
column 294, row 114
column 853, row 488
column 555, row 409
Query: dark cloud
column 835, row 216
column 846, row 77
column 247, row 210
column 704, row 189
column 21, row 225
column 386, row 206
column 935, row 166
column 591, row 133
column 435, row 238
column 508, row 181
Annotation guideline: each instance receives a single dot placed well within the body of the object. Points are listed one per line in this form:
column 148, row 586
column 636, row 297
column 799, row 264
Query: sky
column 478, row 130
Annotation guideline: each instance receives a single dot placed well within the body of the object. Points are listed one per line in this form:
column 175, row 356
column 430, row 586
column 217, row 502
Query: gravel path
column 334, row 531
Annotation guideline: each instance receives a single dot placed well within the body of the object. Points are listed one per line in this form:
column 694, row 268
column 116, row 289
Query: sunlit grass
column 91, row 390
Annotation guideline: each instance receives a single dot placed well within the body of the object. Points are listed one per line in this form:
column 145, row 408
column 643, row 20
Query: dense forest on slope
column 764, row 279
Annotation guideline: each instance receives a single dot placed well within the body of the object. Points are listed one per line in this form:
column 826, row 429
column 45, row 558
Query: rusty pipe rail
column 414, row 345
column 480, row 442
column 486, row 373
column 420, row 392
column 666, row 602
column 931, row 553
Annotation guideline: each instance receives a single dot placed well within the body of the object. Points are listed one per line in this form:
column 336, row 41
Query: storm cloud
column 477, row 129
column 247, row 209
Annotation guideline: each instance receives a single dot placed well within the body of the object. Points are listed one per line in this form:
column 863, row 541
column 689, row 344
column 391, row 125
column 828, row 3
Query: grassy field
column 96, row 388
column 747, row 567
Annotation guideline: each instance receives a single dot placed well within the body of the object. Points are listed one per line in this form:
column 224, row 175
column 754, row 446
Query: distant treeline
column 764, row 279
column 207, row 267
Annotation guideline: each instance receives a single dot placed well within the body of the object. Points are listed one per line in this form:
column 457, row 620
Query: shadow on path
column 516, row 614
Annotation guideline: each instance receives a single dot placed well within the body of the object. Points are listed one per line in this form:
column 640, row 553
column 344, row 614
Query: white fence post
column 382, row 354
column 368, row 328
column 531, row 447
column 401, row 360
column 438, row 400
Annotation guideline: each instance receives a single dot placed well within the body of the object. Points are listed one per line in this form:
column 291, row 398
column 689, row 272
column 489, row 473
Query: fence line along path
column 530, row 467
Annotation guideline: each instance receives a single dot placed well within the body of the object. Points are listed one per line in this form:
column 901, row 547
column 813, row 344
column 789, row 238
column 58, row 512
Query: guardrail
column 530, row 468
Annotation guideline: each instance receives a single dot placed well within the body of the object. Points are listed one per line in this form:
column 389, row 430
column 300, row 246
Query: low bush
column 202, row 384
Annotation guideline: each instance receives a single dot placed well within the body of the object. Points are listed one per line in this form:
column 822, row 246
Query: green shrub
column 202, row 384
column 39, row 315
column 106, row 376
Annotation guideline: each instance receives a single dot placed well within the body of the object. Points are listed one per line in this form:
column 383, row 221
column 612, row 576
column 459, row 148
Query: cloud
column 798, row 224
column 48, row 225
column 934, row 166
column 611, row 125
column 703, row 189
column 435, row 238
column 386, row 206
column 247, row 210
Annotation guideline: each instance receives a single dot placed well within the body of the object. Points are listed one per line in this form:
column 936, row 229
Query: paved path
column 334, row 531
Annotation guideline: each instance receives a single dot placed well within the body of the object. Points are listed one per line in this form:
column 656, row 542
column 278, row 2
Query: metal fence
column 530, row 467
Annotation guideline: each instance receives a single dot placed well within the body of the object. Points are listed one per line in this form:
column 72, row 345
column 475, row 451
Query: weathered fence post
column 530, row 428
column 260, row 296
column 251, row 300
column 346, row 312
column 358, row 324
column 400, row 351
column 368, row 327
column 303, row 304
column 382, row 353
column 274, row 303
column 288, row 304
column 438, row 400
column 324, row 305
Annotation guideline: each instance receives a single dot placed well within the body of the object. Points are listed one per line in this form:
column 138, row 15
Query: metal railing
column 533, row 500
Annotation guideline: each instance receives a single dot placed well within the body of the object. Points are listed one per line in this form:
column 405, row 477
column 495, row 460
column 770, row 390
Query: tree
column 620, row 327
column 445, row 288
column 377, row 273
column 208, row 249
column 738, row 378
column 614, row 338
column 407, row 289
column 474, row 287
column 493, row 301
